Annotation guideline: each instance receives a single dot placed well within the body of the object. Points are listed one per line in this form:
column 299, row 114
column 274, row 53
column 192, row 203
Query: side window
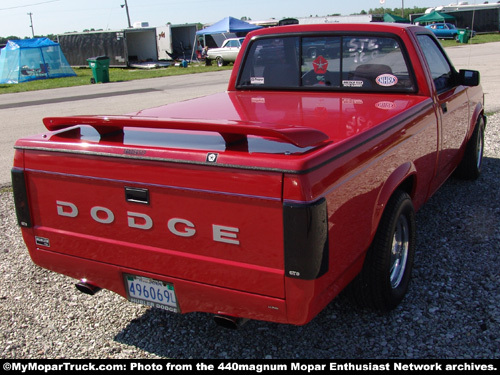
column 441, row 71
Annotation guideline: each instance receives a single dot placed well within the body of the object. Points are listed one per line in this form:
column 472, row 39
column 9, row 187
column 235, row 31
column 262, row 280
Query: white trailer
column 175, row 41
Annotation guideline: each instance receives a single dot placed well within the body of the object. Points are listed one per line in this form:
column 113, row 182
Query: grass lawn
column 115, row 75
column 478, row 39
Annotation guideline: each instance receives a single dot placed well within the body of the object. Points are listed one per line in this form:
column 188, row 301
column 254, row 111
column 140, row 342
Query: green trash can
column 100, row 69
column 463, row 36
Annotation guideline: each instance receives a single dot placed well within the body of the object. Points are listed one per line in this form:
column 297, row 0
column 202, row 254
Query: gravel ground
column 451, row 311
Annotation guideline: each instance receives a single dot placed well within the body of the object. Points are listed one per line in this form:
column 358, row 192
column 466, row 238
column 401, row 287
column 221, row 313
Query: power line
column 29, row 5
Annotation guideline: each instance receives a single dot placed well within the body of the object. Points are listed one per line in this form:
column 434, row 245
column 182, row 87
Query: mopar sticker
column 386, row 80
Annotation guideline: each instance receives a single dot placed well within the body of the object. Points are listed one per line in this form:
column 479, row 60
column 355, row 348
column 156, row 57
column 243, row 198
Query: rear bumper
column 192, row 296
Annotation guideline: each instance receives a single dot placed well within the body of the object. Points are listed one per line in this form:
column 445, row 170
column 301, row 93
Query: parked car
column 444, row 30
column 227, row 52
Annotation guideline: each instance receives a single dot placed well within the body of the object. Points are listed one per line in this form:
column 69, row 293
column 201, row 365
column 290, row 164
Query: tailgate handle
column 137, row 195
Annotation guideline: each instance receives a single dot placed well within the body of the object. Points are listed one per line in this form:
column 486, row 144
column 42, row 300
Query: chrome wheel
column 479, row 148
column 386, row 273
column 399, row 252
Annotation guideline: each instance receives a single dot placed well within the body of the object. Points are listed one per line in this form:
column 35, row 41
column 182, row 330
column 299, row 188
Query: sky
column 60, row 16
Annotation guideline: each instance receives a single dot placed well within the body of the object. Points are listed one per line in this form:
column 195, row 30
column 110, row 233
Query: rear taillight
column 21, row 198
column 306, row 239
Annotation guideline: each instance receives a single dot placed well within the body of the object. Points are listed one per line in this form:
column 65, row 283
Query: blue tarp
column 30, row 59
column 228, row 25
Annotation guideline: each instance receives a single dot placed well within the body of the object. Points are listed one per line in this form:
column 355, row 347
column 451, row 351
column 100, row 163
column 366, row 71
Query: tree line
column 14, row 37
column 405, row 13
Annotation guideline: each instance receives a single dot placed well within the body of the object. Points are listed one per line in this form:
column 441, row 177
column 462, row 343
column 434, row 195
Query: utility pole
column 128, row 16
column 31, row 21
column 403, row 8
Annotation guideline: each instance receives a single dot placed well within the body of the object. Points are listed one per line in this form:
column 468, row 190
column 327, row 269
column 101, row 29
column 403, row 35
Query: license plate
column 151, row 292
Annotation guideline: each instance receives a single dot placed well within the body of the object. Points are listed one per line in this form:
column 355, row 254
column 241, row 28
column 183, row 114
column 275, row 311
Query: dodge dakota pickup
column 267, row 200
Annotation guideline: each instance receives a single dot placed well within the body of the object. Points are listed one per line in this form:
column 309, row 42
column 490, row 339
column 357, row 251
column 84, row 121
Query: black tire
column 472, row 161
column 220, row 61
column 384, row 279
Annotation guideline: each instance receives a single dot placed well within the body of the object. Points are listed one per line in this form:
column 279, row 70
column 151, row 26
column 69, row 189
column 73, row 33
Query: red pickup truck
column 265, row 201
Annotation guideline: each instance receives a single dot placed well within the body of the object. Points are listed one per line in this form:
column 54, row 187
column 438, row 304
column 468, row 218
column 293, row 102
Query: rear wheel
column 383, row 281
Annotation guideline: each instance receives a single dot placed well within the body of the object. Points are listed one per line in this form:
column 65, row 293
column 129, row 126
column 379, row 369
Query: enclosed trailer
column 175, row 41
column 78, row 47
column 128, row 46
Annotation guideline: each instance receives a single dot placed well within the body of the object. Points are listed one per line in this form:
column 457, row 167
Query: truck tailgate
column 207, row 224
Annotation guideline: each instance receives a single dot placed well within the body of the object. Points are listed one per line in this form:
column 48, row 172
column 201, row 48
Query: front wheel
column 470, row 166
column 220, row 62
column 384, row 279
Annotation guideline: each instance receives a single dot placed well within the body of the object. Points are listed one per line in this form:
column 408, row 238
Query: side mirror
column 469, row 77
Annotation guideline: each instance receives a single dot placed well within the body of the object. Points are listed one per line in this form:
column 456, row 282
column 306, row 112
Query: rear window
column 351, row 63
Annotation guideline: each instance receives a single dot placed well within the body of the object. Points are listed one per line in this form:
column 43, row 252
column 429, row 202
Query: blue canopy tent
column 225, row 26
column 30, row 59
column 228, row 25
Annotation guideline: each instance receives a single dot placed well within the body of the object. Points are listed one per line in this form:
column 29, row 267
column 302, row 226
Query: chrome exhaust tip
column 230, row 322
column 85, row 287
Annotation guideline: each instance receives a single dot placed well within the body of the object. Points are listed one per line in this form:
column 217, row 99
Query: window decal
column 350, row 83
column 386, row 80
column 257, row 80
column 320, row 65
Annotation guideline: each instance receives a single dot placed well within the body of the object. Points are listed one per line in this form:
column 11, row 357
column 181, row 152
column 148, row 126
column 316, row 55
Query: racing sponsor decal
column 351, row 83
column 386, row 80
column 257, row 80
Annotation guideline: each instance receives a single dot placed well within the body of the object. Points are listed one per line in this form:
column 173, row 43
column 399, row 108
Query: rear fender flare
column 399, row 177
